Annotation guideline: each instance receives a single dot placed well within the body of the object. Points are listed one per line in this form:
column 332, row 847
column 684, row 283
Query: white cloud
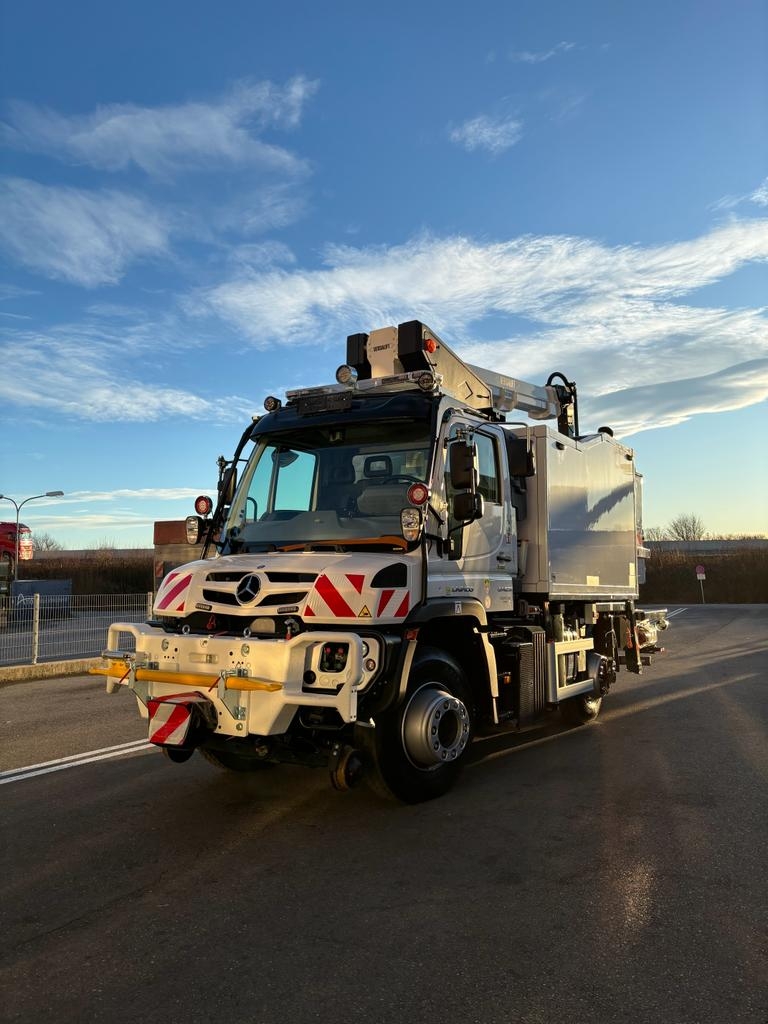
column 164, row 140
column 533, row 57
column 759, row 197
column 675, row 401
column 458, row 281
column 609, row 316
column 260, row 255
column 270, row 208
column 483, row 132
column 88, row 238
column 82, row 373
column 152, row 494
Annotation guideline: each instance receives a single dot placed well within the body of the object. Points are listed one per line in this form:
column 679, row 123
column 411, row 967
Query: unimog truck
column 393, row 568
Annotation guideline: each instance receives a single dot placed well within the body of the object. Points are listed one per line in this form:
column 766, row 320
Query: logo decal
column 248, row 588
column 364, row 613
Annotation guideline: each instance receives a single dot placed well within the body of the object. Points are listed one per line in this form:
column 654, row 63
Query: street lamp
column 4, row 497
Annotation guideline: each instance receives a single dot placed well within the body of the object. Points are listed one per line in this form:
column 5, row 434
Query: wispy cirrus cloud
column 539, row 56
column 87, row 238
column 494, row 134
column 86, row 373
column 166, row 139
column 674, row 401
column 590, row 304
column 759, row 197
column 136, row 493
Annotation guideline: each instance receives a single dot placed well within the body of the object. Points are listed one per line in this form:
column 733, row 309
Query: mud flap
column 631, row 643
column 179, row 719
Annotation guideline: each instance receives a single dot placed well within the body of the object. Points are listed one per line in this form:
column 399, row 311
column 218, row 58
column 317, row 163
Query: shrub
column 95, row 572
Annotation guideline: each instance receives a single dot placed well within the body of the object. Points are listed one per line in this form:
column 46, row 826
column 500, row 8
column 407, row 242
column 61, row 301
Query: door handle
column 503, row 558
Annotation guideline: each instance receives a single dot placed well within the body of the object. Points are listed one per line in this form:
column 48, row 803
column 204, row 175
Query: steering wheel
column 400, row 478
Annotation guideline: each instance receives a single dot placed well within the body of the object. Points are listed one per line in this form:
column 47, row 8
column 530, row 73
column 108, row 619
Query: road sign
column 701, row 576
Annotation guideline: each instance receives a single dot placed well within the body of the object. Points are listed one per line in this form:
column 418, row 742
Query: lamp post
column 17, row 506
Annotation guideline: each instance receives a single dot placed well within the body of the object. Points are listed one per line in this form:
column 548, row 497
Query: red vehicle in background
column 8, row 547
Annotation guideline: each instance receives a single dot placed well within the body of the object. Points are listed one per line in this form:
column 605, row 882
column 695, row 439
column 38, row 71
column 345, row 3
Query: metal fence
column 53, row 627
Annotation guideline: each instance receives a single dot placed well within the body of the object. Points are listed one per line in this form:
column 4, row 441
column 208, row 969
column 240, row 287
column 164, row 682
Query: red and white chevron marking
column 168, row 721
column 346, row 596
column 172, row 593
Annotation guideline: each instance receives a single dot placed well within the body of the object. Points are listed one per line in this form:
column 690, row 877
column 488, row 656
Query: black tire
column 581, row 710
column 417, row 751
column 231, row 761
column 178, row 755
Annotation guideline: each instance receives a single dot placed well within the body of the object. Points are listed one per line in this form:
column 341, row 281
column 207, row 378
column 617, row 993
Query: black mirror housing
column 227, row 485
column 468, row 506
column 461, row 464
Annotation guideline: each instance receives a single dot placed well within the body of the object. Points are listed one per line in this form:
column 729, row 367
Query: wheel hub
column 435, row 727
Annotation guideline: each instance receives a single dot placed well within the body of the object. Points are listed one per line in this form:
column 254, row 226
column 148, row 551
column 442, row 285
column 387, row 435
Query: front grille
column 291, row 577
column 220, row 597
column 276, row 599
column 230, row 576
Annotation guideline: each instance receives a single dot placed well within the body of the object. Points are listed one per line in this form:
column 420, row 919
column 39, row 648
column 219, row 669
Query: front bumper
column 256, row 685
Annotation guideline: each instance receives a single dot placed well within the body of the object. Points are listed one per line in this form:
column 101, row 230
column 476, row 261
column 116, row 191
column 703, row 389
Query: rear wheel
column 581, row 710
column 417, row 751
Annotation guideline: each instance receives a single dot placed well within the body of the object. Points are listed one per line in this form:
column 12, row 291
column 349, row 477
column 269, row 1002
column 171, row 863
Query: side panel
column 581, row 525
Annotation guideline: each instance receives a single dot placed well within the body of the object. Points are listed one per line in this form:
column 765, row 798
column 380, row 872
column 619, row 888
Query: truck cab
column 8, row 547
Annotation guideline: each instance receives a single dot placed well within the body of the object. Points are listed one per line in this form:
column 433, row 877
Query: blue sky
column 200, row 202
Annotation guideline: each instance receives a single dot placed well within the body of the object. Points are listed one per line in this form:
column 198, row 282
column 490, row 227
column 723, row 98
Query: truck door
column 480, row 557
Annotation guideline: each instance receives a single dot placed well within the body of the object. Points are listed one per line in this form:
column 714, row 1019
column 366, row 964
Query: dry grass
column 738, row 578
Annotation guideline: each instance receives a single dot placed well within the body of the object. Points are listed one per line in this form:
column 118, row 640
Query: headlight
column 410, row 523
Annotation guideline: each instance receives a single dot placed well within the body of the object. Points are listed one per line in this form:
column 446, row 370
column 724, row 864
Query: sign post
column 701, row 576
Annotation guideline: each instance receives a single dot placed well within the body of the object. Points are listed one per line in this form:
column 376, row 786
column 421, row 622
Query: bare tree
column 45, row 542
column 686, row 526
column 655, row 533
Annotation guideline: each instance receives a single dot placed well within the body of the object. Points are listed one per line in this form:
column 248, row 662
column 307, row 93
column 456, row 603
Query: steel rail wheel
column 581, row 710
column 233, row 762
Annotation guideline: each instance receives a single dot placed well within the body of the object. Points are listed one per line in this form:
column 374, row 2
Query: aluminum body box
column 582, row 518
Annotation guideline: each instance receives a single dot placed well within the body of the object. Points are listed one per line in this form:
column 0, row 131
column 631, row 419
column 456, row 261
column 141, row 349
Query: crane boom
column 413, row 346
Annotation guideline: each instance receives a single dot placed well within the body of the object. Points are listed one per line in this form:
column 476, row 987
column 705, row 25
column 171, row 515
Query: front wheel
column 582, row 709
column 417, row 751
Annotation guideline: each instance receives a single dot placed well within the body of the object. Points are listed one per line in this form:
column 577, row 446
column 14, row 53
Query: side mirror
column 227, row 485
column 468, row 506
column 461, row 462
column 520, row 457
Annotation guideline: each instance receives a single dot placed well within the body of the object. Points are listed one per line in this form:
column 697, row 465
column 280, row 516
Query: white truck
column 392, row 568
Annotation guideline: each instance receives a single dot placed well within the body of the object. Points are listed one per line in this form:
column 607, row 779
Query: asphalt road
column 614, row 873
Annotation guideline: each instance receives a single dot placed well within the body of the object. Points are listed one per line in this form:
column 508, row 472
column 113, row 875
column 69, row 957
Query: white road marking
column 73, row 761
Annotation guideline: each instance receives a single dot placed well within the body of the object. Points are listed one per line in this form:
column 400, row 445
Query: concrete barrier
column 46, row 670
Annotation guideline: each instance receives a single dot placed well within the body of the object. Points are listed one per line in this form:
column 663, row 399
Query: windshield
column 337, row 485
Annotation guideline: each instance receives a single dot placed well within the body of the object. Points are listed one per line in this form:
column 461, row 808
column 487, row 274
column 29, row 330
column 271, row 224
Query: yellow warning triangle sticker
column 364, row 613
